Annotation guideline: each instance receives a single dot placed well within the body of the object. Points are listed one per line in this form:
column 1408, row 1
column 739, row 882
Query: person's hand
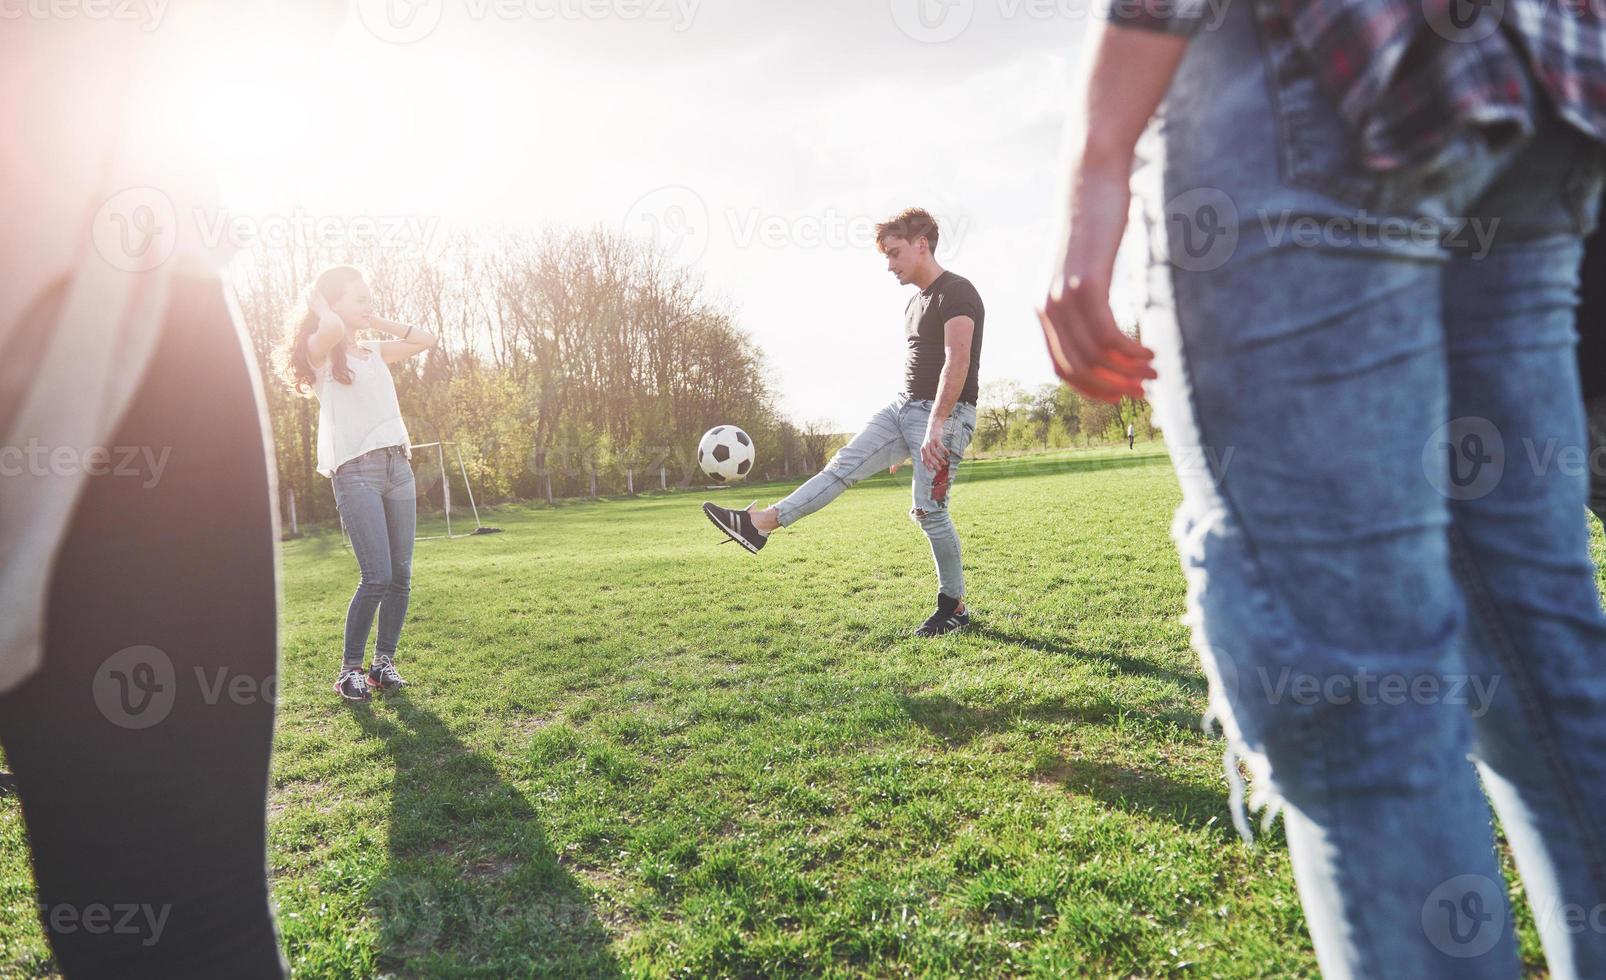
column 932, row 451
column 318, row 305
column 1090, row 353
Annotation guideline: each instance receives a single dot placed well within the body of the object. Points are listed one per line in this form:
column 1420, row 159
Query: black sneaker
column 382, row 675
column 352, row 685
column 946, row 619
column 738, row 524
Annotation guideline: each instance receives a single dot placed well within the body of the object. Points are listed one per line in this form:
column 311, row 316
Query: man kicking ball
column 932, row 421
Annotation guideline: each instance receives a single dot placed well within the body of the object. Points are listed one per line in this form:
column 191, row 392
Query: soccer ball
column 725, row 454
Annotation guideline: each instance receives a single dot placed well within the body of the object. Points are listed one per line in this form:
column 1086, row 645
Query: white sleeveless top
column 360, row 417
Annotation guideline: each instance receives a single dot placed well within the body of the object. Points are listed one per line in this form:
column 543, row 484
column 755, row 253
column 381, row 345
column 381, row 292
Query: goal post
column 447, row 452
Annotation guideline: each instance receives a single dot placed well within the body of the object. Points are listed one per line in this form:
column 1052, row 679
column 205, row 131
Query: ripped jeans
column 1387, row 560
column 891, row 437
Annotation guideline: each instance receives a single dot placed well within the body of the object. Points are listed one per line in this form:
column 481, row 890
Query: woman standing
column 1374, row 530
column 363, row 447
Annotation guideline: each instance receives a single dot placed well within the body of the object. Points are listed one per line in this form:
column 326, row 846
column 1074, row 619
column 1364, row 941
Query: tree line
column 1052, row 416
column 571, row 363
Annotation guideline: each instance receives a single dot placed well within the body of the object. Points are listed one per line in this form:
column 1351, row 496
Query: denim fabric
column 893, row 436
column 1378, row 592
column 378, row 504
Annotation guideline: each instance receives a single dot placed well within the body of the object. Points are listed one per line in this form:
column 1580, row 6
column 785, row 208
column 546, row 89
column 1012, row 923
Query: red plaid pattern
column 1409, row 74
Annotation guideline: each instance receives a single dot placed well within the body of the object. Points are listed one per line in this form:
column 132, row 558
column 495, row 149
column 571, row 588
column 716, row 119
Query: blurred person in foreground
column 1592, row 361
column 138, row 644
column 1360, row 319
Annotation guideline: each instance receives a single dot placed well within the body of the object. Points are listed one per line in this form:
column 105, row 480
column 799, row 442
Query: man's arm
column 956, row 338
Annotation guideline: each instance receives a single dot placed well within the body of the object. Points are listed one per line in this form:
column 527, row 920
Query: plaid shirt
column 1466, row 66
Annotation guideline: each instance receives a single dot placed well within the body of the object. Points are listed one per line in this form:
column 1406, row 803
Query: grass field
column 627, row 752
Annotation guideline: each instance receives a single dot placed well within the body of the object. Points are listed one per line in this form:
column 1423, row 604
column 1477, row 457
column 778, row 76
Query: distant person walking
column 1131, row 436
column 363, row 447
column 1380, row 584
column 932, row 422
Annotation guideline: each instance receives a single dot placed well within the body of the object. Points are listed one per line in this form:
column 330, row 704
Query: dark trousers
column 141, row 748
column 1597, row 456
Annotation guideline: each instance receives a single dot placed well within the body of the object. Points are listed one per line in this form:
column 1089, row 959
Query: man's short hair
column 911, row 224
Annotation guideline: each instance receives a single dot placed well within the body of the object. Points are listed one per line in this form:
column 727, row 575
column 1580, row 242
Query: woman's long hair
column 295, row 362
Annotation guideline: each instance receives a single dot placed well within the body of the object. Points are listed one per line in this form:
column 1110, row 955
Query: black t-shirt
column 928, row 313
column 1592, row 313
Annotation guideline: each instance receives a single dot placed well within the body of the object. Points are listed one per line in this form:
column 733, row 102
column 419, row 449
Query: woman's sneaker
column 382, row 675
column 352, row 685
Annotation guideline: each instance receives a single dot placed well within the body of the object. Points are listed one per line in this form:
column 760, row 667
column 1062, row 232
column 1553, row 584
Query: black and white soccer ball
column 726, row 454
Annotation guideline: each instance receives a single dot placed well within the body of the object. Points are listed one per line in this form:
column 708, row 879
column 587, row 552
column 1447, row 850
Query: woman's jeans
column 892, row 436
column 379, row 506
column 1368, row 388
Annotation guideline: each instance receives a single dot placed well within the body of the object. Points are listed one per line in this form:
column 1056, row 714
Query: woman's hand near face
column 331, row 329
column 318, row 305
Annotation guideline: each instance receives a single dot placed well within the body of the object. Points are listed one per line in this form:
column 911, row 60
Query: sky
column 755, row 140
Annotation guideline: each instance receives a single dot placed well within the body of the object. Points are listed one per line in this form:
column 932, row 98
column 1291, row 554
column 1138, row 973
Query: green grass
column 629, row 752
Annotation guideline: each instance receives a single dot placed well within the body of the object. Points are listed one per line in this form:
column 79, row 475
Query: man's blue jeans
column 1368, row 388
column 892, row 436
column 378, row 504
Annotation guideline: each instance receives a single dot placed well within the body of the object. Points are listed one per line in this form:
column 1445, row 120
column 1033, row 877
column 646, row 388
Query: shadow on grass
column 1121, row 662
column 958, row 723
column 472, row 885
column 1146, row 793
